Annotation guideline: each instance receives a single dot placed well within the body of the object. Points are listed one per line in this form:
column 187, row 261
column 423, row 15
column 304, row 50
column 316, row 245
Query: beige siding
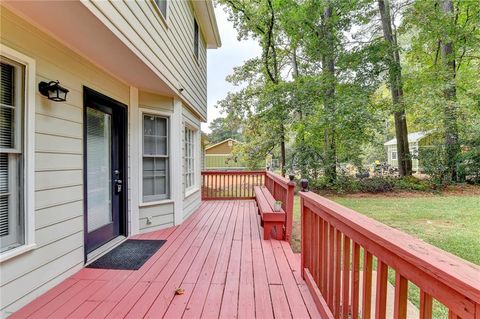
column 58, row 164
column 166, row 47
column 191, row 203
column 161, row 217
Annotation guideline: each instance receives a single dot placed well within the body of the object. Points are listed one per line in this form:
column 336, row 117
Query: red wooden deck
column 218, row 257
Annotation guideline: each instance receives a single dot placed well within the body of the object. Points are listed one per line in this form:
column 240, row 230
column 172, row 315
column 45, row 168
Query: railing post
column 290, row 197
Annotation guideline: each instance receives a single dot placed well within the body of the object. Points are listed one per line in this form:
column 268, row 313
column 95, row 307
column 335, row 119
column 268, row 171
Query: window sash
column 189, row 158
column 195, row 38
column 12, row 221
column 155, row 158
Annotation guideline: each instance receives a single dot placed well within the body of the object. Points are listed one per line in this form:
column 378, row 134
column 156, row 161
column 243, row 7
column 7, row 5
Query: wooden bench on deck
column 270, row 218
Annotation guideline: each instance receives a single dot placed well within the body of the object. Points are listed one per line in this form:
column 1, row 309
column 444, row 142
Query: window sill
column 16, row 252
column 155, row 203
column 191, row 191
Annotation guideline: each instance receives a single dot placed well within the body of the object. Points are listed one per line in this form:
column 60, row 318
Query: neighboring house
column 204, row 142
column 220, row 156
column 120, row 155
column 415, row 142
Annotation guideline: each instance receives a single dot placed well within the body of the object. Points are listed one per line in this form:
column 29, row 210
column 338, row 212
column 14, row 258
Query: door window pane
column 99, row 170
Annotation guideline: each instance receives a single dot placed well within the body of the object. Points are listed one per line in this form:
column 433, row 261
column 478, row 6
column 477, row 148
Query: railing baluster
column 355, row 279
column 401, row 293
column 381, row 292
column 331, row 265
column 425, row 305
column 367, row 285
column 346, row 277
column 338, row 272
column 325, row 257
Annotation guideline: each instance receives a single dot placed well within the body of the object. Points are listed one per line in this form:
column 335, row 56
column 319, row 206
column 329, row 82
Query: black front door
column 104, row 169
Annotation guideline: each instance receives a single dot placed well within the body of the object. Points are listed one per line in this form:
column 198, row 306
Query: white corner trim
column 134, row 149
column 177, row 160
column 29, row 147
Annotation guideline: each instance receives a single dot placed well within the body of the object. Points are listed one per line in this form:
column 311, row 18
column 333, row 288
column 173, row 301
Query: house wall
column 58, row 164
column 413, row 150
column 167, row 45
column 59, row 224
column 223, row 149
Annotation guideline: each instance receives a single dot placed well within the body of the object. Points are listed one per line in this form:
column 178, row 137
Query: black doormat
column 130, row 255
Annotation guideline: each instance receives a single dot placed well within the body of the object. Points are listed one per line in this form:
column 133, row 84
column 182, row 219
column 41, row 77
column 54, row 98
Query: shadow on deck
column 217, row 256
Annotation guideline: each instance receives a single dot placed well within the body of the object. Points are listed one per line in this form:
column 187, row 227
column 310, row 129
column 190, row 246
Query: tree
column 396, row 88
column 223, row 128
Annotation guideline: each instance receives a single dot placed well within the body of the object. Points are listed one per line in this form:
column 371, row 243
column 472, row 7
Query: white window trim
column 168, row 115
column 187, row 122
column 29, row 151
column 192, row 187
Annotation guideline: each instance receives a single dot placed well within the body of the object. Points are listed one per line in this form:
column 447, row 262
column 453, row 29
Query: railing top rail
column 232, row 172
column 280, row 179
column 449, row 269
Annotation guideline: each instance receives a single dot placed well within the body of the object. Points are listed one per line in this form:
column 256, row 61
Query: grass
column 448, row 222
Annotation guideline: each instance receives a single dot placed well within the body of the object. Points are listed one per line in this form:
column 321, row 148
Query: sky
column 220, row 63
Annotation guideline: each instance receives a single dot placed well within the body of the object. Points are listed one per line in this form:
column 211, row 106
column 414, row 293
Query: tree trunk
column 395, row 79
column 452, row 146
column 282, row 149
column 328, row 64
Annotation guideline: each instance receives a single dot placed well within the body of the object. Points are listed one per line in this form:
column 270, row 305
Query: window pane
column 99, row 181
column 3, row 194
column 155, row 135
column 7, row 88
column 162, row 6
column 195, row 38
column 7, row 110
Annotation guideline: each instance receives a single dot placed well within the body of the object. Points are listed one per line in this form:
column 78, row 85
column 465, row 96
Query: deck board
column 217, row 255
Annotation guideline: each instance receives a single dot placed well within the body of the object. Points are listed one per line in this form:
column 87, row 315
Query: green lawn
column 451, row 223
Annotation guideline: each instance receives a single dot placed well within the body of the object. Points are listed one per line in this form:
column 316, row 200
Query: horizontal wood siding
column 58, row 164
column 168, row 48
column 191, row 203
column 161, row 217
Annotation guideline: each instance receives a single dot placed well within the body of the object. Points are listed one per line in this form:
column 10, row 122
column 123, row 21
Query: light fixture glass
column 53, row 91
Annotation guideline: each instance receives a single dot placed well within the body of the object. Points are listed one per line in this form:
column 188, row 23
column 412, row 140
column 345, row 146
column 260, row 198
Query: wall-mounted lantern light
column 53, row 91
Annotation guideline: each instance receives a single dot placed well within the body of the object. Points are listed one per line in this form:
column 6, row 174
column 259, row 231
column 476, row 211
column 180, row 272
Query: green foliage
column 286, row 93
column 433, row 163
column 223, row 128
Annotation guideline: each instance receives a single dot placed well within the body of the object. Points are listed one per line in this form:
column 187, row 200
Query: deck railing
column 230, row 184
column 333, row 240
column 240, row 185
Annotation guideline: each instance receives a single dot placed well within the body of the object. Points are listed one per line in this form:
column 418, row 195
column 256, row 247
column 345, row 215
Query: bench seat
column 270, row 218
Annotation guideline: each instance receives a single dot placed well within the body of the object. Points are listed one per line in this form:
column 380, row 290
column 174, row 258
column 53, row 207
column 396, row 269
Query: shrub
column 377, row 184
column 412, row 183
column 433, row 164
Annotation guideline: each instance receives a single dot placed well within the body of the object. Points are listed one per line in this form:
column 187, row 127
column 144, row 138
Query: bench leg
column 267, row 229
column 279, row 231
